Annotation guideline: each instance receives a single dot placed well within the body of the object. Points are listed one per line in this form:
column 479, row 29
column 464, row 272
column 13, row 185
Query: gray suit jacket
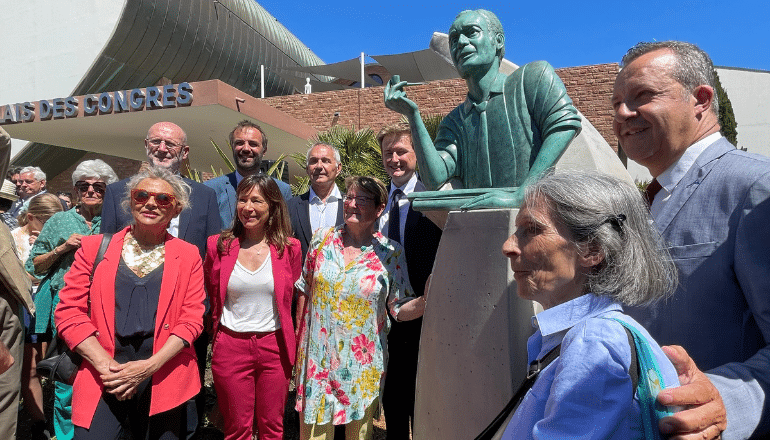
column 299, row 211
column 717, row 224
column 225, row 187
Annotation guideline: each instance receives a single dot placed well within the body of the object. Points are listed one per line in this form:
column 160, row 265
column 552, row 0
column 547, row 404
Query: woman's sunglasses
column 99, row 187
column 163, row 200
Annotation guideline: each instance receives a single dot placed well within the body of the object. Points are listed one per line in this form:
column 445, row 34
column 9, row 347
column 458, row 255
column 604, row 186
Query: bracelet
column 54, row 252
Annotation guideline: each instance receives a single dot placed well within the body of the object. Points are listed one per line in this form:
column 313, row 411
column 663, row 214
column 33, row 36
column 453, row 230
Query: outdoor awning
column 215, row 108
column 350, row 70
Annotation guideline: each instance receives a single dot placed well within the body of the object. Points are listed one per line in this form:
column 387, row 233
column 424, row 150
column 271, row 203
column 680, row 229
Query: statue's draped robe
column 523, row 109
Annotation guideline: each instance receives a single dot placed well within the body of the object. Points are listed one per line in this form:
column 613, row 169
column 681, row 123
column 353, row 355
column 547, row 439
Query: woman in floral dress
column 353, row 277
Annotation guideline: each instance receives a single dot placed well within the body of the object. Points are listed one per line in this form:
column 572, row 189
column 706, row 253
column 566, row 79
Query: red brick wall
column 122, row 167
column 589, row 86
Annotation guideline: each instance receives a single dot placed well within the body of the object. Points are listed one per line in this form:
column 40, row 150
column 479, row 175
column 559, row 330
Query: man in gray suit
column 249, row 144
column 710, row 203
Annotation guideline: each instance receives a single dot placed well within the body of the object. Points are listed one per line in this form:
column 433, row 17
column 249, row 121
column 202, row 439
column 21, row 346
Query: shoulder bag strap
column 106, row 238
column 647, row 383
column 535, row 367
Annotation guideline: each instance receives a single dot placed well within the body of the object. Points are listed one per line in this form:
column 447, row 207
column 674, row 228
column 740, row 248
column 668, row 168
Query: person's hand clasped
column 33, row 237
column 123, row 379
column 704, row 416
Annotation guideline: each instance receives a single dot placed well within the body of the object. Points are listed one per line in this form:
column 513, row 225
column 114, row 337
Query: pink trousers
column 251, row 377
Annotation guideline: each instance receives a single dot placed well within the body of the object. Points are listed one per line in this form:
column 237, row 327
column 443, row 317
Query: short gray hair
column 37, row 173
column 94, row 169
column 606, row 214
column 693, row 66
column 333, row 148
column 180, row 188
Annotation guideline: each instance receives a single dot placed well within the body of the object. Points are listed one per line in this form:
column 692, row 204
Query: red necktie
column 652, row 189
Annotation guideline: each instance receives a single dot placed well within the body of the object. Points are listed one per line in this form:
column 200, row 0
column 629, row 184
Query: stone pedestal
column 473, row 351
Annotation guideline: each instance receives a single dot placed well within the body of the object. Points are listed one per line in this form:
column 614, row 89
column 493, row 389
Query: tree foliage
column 729, row 127
column 359, row 152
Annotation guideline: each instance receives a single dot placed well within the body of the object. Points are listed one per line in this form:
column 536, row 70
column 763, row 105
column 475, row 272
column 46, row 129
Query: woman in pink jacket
column 135, row 322
column 250, row 273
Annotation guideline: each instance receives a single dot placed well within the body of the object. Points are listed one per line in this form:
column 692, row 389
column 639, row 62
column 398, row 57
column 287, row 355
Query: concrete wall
column 49, row 45
column 749, row 93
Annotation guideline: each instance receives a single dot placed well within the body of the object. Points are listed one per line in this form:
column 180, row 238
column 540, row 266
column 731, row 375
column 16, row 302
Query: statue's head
column 476, row 41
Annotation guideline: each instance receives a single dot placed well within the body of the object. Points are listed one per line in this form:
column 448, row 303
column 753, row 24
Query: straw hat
column 8, row 191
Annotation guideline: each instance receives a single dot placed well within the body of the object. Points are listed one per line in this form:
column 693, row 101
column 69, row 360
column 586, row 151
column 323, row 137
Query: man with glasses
column 166, row 146
column 31, row 182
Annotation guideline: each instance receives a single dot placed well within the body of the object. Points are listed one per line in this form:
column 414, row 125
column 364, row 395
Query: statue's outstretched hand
column 395, row 97
column 496, row 199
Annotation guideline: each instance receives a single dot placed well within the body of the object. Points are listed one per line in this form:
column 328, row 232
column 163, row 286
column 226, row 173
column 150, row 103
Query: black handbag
column 63, row 367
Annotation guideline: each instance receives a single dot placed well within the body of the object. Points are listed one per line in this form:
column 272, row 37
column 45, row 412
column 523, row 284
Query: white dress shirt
column 670, row 178
column 324, row 214
column 412, row 185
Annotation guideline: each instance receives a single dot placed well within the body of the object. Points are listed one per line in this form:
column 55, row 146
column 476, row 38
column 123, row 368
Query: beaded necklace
column 142, row 261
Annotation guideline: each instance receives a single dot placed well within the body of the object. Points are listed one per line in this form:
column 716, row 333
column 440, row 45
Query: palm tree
column 359, row 152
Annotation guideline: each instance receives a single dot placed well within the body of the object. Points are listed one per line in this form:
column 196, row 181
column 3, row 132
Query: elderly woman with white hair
column 584, row 247
column 133, row 317
column 52, row 255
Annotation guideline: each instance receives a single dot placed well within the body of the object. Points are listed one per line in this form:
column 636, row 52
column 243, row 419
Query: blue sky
column 564, row 33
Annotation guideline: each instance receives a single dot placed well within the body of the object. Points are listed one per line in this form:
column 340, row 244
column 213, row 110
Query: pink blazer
column 286, row 270
column 180, row 312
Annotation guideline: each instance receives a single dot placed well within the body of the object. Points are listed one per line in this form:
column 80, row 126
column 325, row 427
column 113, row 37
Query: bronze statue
column 508, row 131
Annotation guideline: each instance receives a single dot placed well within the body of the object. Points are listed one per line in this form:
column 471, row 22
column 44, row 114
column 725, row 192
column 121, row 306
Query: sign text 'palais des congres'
column 150, row 98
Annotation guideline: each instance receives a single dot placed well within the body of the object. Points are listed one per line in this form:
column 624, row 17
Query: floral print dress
column 342, row 351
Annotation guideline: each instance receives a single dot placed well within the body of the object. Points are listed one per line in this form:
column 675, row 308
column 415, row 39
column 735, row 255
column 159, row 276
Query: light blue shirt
column 586, row 392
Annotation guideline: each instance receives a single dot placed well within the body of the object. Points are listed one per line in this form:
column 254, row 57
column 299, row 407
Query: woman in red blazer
column 250, row 273
column 135, row 322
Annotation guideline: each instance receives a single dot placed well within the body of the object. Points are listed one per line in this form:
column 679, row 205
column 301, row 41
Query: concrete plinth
column 473, row 349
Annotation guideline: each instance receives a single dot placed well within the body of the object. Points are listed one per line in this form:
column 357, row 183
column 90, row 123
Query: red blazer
column 286, row 270
column 180, row 312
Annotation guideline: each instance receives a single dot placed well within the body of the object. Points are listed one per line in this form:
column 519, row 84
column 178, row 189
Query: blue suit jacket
column 225, row 186
column 299, row 211
column 717, row 226
column 196, row 223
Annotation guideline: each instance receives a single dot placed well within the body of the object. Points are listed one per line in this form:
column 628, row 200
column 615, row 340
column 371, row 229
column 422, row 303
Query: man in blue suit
column 420, row 238
column 710, row 203
column 166, row 146
column 249, row 144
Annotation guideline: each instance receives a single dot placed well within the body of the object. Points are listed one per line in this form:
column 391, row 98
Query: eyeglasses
column 99, row 187
column 360, row 200
column 163, row 200
column 155, row 143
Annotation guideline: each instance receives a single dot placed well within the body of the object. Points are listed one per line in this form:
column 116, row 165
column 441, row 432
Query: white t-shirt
column 250, row 304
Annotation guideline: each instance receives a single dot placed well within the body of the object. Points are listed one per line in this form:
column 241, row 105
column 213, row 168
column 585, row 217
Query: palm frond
column 224, row 157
